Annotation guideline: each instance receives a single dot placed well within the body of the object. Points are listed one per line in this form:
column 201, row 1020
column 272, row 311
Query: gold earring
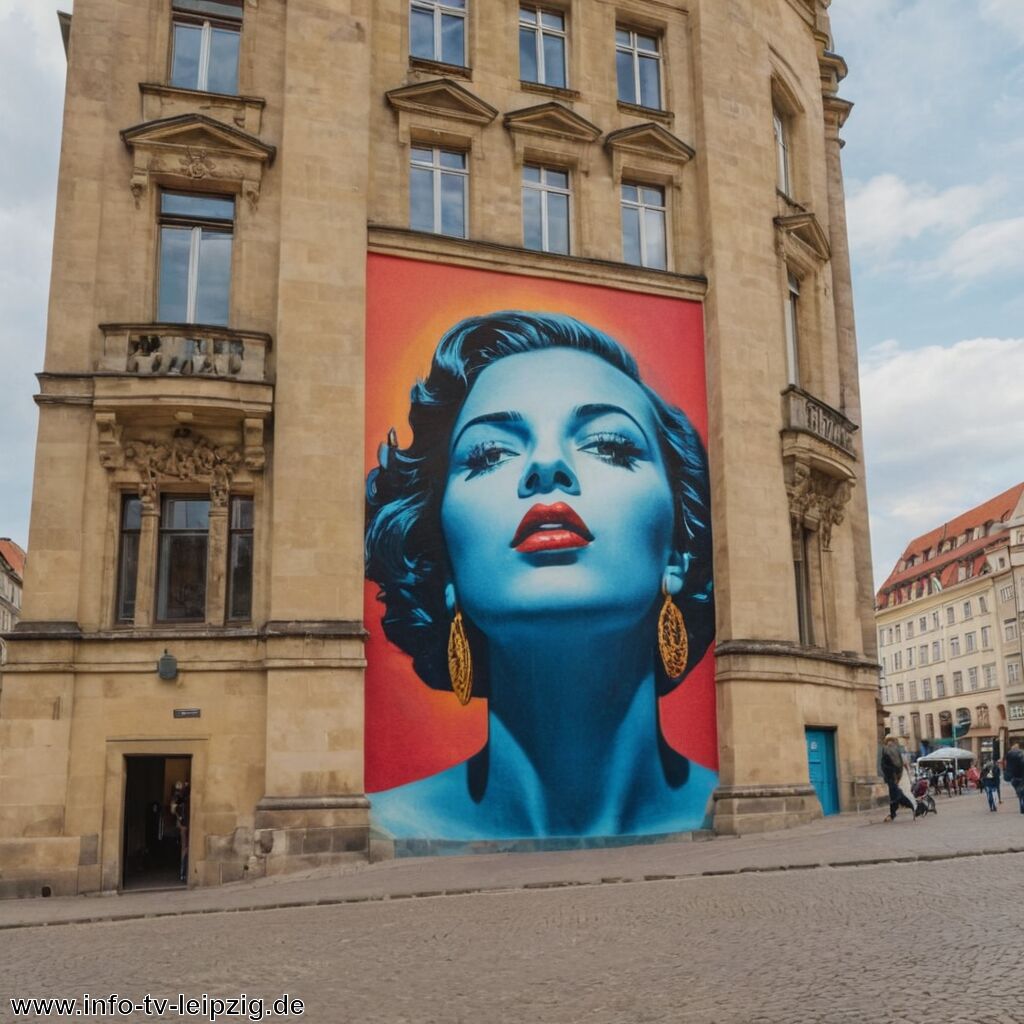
column 672, row 640
column 460, row 660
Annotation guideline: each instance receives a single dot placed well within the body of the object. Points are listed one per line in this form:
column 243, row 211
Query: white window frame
column 540, row 30
column 437, row 170
column 642, row 207
column 791, row 313
column 783, row 181
column 437, row 9
column 182, row 16
column 546, row 189
column 634, row 51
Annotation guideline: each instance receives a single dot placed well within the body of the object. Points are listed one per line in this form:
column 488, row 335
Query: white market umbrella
column 948, row 754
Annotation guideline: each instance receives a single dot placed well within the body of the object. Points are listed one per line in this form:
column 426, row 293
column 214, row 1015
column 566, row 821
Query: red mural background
column 411, row 729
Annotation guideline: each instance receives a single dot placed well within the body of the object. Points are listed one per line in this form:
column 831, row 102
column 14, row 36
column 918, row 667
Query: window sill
column 555, row 91
column 652, row 113
column 440, row 67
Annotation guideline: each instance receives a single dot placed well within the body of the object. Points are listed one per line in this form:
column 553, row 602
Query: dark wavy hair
column 405, row 548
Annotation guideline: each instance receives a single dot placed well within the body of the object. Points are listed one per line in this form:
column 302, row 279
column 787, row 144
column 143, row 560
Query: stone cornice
column 442, row 98
column 552, row 119
column 650, row 140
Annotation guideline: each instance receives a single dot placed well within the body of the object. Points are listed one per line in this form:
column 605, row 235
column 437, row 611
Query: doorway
column 821, row 762
column 154, row 842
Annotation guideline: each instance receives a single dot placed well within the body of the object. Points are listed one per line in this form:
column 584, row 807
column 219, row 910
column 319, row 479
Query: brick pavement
column 963, row 827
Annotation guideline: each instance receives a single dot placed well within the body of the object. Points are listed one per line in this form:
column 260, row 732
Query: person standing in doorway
column 892, row 773
column 1015, row 772
column 180, row 811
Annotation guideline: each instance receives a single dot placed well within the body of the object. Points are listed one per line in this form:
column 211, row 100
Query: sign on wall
column 538, row 540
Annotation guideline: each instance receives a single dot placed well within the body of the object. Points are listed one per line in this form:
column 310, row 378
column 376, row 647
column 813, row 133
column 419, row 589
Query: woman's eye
column 485, row 456
column 615, row 449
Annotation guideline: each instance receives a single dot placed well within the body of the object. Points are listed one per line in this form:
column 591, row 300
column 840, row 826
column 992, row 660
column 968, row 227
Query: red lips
column 551, row 528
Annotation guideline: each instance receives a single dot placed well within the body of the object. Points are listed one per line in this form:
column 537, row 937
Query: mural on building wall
column 538, row 558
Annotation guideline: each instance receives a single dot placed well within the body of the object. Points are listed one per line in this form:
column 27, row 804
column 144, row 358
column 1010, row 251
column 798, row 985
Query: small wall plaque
column 187, row 713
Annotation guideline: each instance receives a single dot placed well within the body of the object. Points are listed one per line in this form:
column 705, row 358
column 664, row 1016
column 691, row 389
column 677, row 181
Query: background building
column 229, row 172
column 949, row 621
column 12, row 571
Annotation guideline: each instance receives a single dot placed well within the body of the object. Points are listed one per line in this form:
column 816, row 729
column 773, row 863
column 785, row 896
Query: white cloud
column 995, row 248
column 943, row 431
column 1005, row 14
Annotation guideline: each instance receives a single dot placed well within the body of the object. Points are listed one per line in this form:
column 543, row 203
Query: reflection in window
column 545, row 209
column 782, row 179
column 437, row 30
column 542, row 46
column 181, row 570
column 128, row 557
column 205, row 42
column 240, row 539
column 438, row 192
column 643, row 226
column 195, row 258
column 638, row 68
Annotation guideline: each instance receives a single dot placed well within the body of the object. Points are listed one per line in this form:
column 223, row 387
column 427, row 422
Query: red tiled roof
column 13, row 555
column 945, row 564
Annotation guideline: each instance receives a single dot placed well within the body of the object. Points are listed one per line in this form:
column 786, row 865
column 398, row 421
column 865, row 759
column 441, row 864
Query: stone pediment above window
column 441, row 98
column 552, row 120
column 650, row 140
column 194, row 150
column 801, row 239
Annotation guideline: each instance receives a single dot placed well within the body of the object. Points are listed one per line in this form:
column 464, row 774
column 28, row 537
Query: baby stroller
column 925, row 801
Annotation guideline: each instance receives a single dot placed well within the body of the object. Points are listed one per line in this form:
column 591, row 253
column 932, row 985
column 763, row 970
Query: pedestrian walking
column 892, row 772
column 1015, row 772
column 988, row 782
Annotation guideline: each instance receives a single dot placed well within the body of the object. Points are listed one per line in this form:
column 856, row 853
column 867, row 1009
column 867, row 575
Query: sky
column 934, row 167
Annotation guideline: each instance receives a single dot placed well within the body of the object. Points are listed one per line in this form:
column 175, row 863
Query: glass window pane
column 453, row 28
column 652, row 196
column 528, row 14
column 631, row 235
column 649, row 43
column 241, row 513
column 223, row 69
column 558, row 223
column 624, row 73
column 181, row 590
column 185, row 61
column 460, row 4
column 650, row 87
column 185, row 514
column 453, row 205
column 127, row 576
column 552, row 19
column 421, row 200
column 532, row 234
column 558, row 179
column 174, row 249
column 218, row 8
column 527, row 55
column 214, row 278
column 240, row 577
column 654, row 239
column 531, row 173
column 554, row 61
column 622, row 36
column 423, row 156
column 131, row 514
column 181, row 204
column 451, row 158
column 629, row 193
column 421, row 33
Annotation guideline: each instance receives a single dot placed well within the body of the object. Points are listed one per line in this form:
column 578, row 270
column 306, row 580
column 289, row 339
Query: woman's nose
column 544, row 474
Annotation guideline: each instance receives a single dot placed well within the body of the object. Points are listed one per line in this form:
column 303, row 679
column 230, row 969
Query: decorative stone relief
column 817, row 501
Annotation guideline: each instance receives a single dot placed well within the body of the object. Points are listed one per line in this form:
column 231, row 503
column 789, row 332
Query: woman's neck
column 573, row 730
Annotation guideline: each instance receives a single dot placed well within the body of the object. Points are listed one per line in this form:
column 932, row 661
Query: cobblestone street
column 935, row 941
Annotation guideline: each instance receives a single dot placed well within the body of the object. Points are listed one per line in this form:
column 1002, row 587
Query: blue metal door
column 821, row 759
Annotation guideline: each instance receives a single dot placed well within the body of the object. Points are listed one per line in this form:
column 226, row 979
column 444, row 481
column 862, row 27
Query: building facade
column 12, row 571
column 949, row 621
column 269, row 213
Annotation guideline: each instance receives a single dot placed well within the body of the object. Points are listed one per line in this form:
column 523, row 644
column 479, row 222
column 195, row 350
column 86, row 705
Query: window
column 1010, row 629
column 881, row 638
column 972, row 678
column 910, row 657
column 643, row 226
column 967, row 610
column 958, row 682
column 922, row 654
column 936, row 650
column 638, row 67
column 781, row 130
column 897, row 662
column 1012, row 672
column 438, row 192
column 922, row 624
column 240, row 553
column 542, row 46
column 899, row 633
column 181, row 571
column 205, row 37
column 940, row 686
column 195, row 258
column 1006, row 593
column 981, row 716
column 982, row 605
column 954, row 647
column 935, row 620
column 128, row 557
column 986, row 637
column 915, row 724
column 912, row 689
column 900, row 693
column 791, row 320
column 929, row 726
column 903, row 725
column 926, row 686
column 437, row 30
column 970, row 642
column 989, row 672
column 545, row 209
column 910, row 630
column 1016, row 712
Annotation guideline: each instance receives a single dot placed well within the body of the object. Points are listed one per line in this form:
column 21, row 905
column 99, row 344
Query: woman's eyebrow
column 490, row 417
column 595, row 409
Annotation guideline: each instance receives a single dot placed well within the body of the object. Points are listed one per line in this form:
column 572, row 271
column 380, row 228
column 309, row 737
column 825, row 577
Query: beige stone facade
column 949, row 620
column 269, row 406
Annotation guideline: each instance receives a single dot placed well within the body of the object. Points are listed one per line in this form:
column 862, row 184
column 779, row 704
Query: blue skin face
column 544, row 427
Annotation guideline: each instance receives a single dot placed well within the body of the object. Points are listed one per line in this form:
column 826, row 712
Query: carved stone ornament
column 817, row 501
column 196, row 164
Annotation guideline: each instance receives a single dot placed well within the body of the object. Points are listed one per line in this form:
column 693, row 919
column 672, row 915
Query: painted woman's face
column 557, row 502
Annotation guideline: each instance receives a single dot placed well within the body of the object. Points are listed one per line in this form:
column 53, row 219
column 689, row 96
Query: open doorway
column 156, row 817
